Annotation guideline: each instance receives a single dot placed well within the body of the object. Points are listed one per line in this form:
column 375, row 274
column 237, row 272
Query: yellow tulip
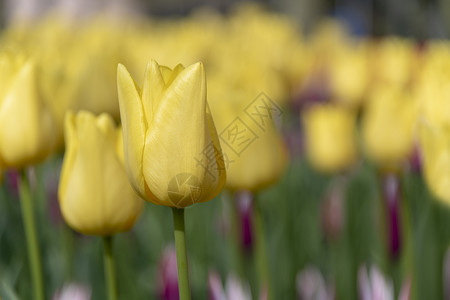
column 388, row 126
column 435, row 145
column 330, row 137
column 26, row 124
column 434, row 135
column 260, row 165
column 394, row 61
column 94, row 192
column 255, row 157
column 172, row 152
column 349, row 76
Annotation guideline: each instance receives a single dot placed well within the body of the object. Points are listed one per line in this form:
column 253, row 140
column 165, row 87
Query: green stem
column 180, row 247
column 34, row 256
column 261, row 251
column 110, row 270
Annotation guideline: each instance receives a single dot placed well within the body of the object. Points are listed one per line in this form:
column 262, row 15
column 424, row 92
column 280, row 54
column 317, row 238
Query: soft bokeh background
column 346, row 82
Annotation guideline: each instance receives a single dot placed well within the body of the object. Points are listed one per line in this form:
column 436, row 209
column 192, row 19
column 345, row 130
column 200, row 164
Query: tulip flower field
column 223, row 156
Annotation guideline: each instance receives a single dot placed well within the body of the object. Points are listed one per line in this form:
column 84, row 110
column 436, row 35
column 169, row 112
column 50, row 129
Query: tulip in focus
column 172, row 152
column 330, row 137
column 94, row 193
column 26, row 124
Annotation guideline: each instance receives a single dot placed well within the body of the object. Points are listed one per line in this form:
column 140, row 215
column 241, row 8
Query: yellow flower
column 435, row 146
column 94, row 192
column 394, row 61
column 254, row 157
column 167, row 129
column 434, row 134
column 388, row 126
column 330, row 137
column 349, row 76
column 26, row 124
column 260, row 165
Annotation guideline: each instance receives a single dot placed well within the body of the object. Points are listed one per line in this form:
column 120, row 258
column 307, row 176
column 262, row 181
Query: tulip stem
column 34, row 255
column 180, row 247
column 110, row 270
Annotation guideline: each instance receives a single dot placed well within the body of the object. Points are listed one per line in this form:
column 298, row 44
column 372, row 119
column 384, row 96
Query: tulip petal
column 152, row 89
column 28, row 139
column 169, row 75
column 134, row 127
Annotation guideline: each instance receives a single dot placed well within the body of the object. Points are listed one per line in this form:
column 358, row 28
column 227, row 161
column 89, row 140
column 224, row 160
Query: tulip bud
column 434, row 141
column 168, row 284
column 94, row 192
column 373, row 285
column 392, row 202
column 172, row 153
column 434, row 133
column 349, row 76
column 332, row 210
column 26, row 124
column 255, row 158
column 311, row 285
column 244, row 203
column 234, row 288
column 215, row 289
column 73, row 291
column 12, row 182
column 415, row 160
column 388, row 126
column 330, row 137
column 446, row 274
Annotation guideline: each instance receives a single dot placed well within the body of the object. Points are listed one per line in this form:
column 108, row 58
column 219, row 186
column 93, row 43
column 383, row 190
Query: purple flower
column 168, row 285
column 234, row 288
column 244, row 203
column 373, row 285
column 73, row 291
column 311, row 285
column 391, row 196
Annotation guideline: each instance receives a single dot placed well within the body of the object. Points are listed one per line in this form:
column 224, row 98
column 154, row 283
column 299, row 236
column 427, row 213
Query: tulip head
column 388, row 126
column 26, row 124
column 330, row 137
column 94, row 192
column 349, row 76
column 435, row 145
column 255, row 158
column 167, row 129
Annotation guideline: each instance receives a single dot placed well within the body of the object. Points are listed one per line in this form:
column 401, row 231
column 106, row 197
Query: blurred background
column 341, row 181
column 419, row 19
